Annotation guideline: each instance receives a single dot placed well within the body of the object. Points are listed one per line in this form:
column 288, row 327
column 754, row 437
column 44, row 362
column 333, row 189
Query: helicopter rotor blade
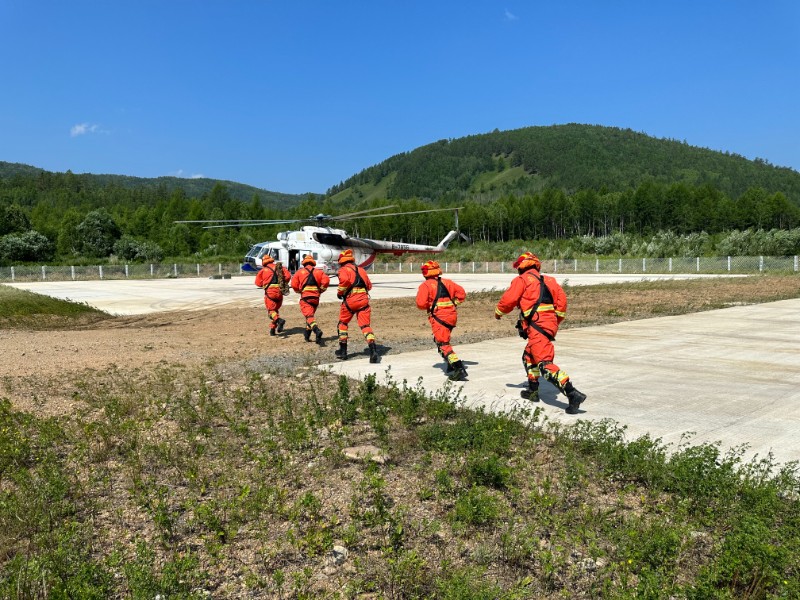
column 251, row 224
column 411, row 212
column 243, row 222
column 361, row 212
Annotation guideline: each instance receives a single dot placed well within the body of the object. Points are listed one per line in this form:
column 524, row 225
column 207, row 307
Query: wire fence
column 132, row 271
column 643, row 266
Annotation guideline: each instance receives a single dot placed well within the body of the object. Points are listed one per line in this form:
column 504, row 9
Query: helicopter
column 324, row 243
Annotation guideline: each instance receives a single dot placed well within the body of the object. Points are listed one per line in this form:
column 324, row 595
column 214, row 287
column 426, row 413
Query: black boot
column 459, row 372
column 373, row 353
column 279, row 325
column 272, row 331
column 318, row 333
column 575, row 398
column 341, row 353
column 532, row 393
column 307, row 335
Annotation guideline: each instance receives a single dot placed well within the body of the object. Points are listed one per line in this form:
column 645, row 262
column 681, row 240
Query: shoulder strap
column 544, row 296
column 441, row 292
column 311, row 279
column 357, row 282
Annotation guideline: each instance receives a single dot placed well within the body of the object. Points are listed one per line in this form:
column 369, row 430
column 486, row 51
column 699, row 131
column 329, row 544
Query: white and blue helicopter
column 325, row 243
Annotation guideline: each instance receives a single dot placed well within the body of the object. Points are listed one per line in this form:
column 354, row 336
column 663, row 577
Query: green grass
column 24, row 308
column 227, row 484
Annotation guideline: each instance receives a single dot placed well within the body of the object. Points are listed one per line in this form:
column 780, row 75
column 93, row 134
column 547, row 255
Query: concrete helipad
column 141, row 296
column 730, row 376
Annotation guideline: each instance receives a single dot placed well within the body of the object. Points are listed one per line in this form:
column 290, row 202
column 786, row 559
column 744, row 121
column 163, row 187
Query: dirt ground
column 33, row 360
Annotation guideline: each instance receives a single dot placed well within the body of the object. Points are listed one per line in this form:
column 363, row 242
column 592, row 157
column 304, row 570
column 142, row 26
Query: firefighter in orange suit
column 273, row 278
column 310, row 282
column 543, row 305
column 440, row 297
column 353, row 291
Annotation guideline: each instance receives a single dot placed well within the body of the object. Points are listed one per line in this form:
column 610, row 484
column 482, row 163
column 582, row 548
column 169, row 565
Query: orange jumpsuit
column 310, row 283
column 440, row 297
column 542, row 313
column 353, row 291
column 267, row 278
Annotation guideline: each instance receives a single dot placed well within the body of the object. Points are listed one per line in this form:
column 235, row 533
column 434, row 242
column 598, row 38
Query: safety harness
column 532, row 314
column 358, row 283
column 311, row 281
column 273, row 281
column 441, row 292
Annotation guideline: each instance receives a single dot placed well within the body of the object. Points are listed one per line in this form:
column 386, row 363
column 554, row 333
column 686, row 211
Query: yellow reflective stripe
column 545, row 308
column 274, row 285
column 497, row 311
column 359, row 290
column 560, row 314
column 441, row 303
column 313, row 288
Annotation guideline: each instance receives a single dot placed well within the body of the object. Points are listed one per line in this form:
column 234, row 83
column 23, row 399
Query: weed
column 488, row 471
column 476, row 507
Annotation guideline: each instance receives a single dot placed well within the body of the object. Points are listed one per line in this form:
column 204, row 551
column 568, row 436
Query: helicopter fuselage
column 325, row 244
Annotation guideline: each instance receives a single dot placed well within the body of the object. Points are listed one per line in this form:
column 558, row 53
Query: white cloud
column 181, row 173
column 84, row 128
column 511, row 16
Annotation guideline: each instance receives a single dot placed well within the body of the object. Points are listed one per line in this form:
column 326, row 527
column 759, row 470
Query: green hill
column 192, row 188
column 567, row 157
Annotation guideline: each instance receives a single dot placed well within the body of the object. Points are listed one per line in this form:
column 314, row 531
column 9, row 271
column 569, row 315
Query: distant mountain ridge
column 193, row 188
column 484, row 167
column 569, row 157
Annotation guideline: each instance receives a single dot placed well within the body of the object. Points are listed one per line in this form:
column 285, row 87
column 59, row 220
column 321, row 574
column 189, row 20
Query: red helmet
column 309, row 260
column 526, row 261
column 431, row 268
column 346, row 257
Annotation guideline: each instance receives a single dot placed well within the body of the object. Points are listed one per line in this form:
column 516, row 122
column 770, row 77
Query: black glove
column 521, row 330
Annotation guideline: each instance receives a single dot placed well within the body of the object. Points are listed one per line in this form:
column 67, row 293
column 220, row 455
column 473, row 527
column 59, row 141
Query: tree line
column 65, row 222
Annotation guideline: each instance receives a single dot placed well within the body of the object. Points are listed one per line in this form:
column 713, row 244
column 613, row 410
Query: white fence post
column 198, row 269
column 795, row 262
column 44, row 275
column 126, row 271
column 596, row 265
column 644, row 265
column 100, row 269
column 620, row 265
column 760, row 264
column 72, row 270
column 576, row 265
column 795, row 268
column 729, row 264
column 220, row 268
column 698, row 264
column 670, row 264
column 175, row 269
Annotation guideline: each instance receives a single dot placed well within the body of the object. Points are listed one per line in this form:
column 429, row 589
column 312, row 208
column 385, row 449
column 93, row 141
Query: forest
column 581, row 186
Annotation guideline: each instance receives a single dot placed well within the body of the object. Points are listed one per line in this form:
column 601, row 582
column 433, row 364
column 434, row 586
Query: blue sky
column 295, row 96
